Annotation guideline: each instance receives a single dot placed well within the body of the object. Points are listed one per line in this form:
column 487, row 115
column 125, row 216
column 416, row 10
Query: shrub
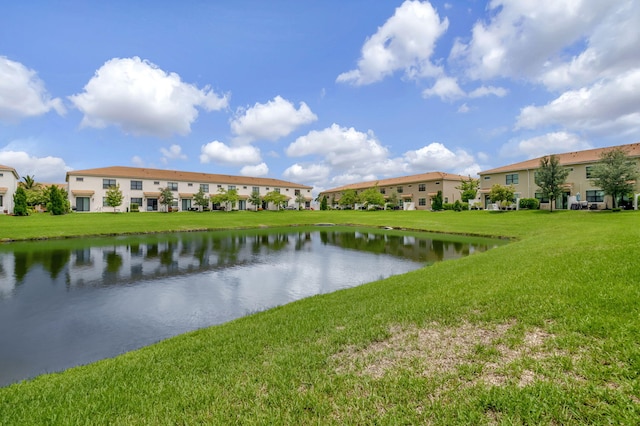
column 135, row 207
column 529, row 203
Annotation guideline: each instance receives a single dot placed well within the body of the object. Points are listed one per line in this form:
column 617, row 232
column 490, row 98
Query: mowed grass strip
column 542, row 330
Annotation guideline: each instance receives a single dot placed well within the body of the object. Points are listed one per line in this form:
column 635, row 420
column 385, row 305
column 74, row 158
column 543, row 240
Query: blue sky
column 322, row 93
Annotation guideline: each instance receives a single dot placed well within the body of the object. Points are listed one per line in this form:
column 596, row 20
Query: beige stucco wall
column 9, row 184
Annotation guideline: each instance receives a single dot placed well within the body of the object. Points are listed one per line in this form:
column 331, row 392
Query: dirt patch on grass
column 495, row 355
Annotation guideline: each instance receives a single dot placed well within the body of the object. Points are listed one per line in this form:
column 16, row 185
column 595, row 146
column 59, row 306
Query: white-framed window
column 511, row 179
column 108, row 183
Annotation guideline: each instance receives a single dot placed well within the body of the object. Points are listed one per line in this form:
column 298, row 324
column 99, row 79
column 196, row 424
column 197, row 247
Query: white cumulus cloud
column 605, row 105
column 218, row 152
column 339, row 146
column 44, row 169
column 307, row 173
column 23, row 93
column 271, row 121
column 173, row 153
column 522, row 39
column 258, row 170
column 142, row 99
column 437, row 157
column 539, row 146
column 405, row 42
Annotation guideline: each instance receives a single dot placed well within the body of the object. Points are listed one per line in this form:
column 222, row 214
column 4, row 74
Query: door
column 82, row 204
column 152, row 204
column 186, row 204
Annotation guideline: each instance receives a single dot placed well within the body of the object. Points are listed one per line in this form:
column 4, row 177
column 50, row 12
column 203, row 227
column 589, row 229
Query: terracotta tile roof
column 180, row 176
column 568, row 158
column 10, row 169
column 424, row 177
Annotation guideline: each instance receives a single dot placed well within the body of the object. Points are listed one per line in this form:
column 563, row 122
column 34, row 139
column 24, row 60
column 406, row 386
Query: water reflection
column 64, row 303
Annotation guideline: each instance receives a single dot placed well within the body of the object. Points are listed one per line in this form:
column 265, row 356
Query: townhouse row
column 416, row 192
column 142, row 186
column 87, row 189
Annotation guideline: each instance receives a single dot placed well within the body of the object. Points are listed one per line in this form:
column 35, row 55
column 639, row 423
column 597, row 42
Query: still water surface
column 71, row 302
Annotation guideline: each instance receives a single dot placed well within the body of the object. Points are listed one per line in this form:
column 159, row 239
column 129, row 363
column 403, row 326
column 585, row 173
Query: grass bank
column 542, row 330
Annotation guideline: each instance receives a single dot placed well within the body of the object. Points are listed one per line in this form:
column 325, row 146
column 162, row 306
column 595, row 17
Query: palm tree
column 29, row 182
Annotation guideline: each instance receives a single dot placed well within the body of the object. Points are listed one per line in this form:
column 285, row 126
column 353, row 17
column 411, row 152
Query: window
column 244, row 187
column 78, row 179
column 296, row 192
column 400, row 190
column 1, row 200
column 104, row 202
column 512, row 179
column 204, row 187
column 437, row 183
column 1, row 174
column 219, row 186
column 108, row 183
column 595, row 196
column 422, row 187
column 383, row 191
column 136, row 184
column 156, row 182
column 137, row 201
column 173, row 186
column 231, row 187
column 277, row 190
column 422, row 202
column 189, row 184
column 589, row 170
column 487, row 177
column 256, row 189
column 446, row 199
column 540, row 198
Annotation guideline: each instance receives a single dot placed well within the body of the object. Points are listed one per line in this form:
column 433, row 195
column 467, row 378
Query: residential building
column 414, row 192
column 88, row 188
column 9, row 179
column 579, row 190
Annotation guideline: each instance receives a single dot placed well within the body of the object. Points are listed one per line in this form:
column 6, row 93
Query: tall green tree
column 394, row 199
column 228, row 198
column 348, row 198
column 615, row 174
column 275, row 198
column 372, row 196
column 436, row 202
column 300, row 200
column 468, row 189
column 550, row 177
column 56, row 205
column 166, row 198
column 201, row 199
column 502, row 194
column 255, row 199
column 20, row 202
column 323, row 203
column 29, row 182
column 114, row 197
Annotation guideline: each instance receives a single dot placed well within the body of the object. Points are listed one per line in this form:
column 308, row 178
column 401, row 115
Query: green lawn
column 543, row 330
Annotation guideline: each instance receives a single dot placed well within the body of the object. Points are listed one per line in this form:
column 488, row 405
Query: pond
column 70, row 302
